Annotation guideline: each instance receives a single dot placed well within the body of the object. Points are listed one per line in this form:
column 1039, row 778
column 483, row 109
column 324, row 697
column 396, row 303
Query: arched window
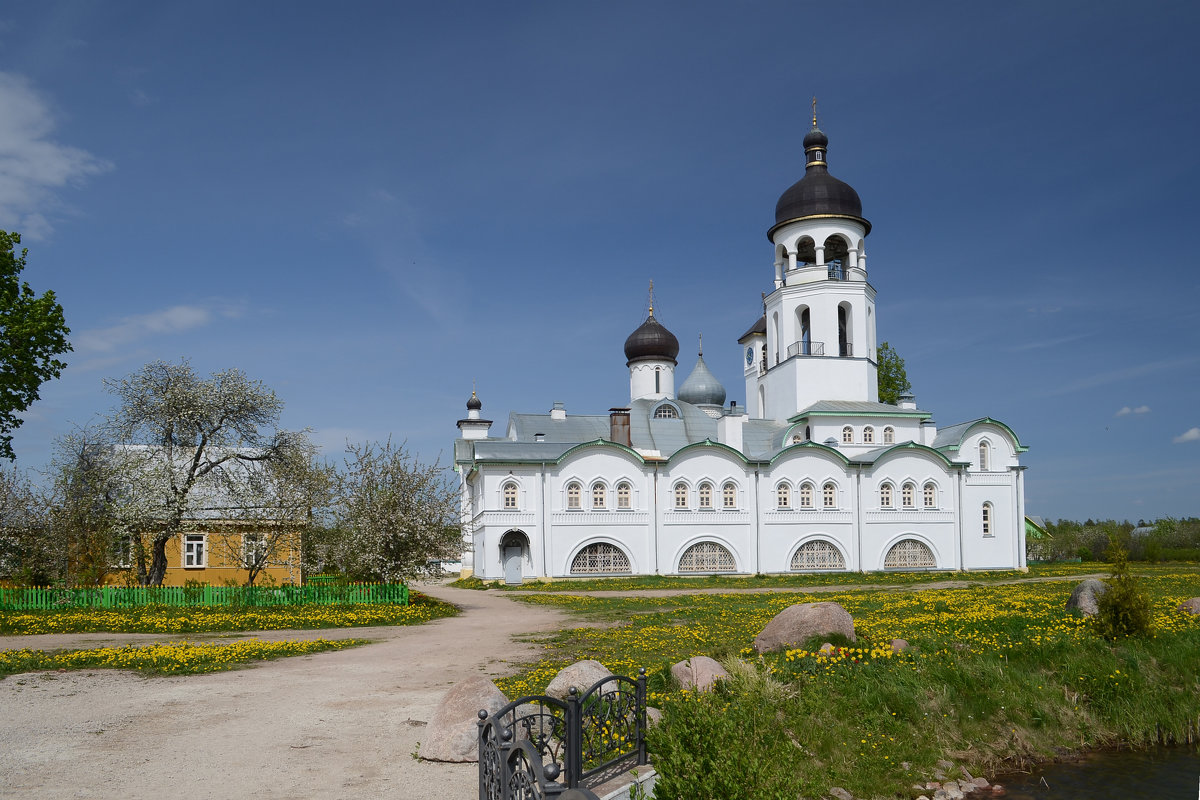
column 909, row 554
column 868, row 435
column 510, row 495
column 707, row 557
column 889, row 435
column 885, row 496
column 681, row 495
column 830, row 495
column 706, row 495
column 817, row 555
column 666, row 411
column 574, row 490
column 848, row 435
column 729, row 495
column 657, row 380
column 806, row 495
column 783, row 496
column 599, row 495
column 931, row 495
column 985, row 452
column 600, row 558
column 624, row 491
column 987, row 520
column 908, row 495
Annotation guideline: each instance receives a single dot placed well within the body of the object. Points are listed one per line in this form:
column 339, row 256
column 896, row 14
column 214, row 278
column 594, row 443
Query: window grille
column 818, row 555
column 909, row 554
column 666, row 412
column 707, row 557
column 600, row 558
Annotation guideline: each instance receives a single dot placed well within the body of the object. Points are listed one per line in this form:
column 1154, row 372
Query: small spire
column 652, row 297
column 814, row 105
column 701, row 345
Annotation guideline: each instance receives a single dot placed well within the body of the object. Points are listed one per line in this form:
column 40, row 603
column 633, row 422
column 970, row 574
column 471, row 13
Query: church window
column 729, row 495
column 987, row 520
column 868, row 435
column 817, row 555
column 681, row 495
column 600, row 558
column 830, row 495
column 806, row 495
column 666, row 412
column 573, row 492
column 931, row 495
column 623, row 494
column 908, row 495
column 783, row 496
column 599, row 495
column 984, row 456
column 797, row 439
column 885, row 496
column 848, row 435
column 510, row 495
column 909, row 554
column 707, row 557
column 706, row 495
column 889, row 435
column 657, row 380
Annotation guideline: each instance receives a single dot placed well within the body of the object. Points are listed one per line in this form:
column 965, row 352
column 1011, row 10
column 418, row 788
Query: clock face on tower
column 749, row 356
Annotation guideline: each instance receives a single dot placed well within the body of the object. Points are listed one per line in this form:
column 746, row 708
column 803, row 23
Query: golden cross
column 814, row 104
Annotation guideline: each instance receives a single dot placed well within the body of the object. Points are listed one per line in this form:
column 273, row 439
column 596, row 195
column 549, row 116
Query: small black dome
column 651, row 340
column 815, row 138
column 474, row 404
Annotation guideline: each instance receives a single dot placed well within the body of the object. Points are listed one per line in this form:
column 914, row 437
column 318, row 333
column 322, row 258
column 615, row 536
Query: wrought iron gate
column 525, row 747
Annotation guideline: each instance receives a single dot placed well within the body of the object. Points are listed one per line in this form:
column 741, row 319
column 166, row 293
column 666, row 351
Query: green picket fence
column 53, row 598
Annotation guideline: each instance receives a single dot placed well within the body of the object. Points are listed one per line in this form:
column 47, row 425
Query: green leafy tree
column 32, row 336
column 892, row 379
column 1124, row 610
column 28, row 554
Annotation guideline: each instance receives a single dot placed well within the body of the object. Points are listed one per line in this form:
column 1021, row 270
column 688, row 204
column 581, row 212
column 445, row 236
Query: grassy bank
column 206, row 619
column 182, row 658
column 997, row 673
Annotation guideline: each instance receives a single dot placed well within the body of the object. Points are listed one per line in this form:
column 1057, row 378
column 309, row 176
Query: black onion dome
column 651, row 340
column 818, row 193
column 474, row 404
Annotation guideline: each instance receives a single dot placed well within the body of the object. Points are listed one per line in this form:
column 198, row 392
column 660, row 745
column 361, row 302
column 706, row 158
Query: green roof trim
column 707, row 443
column 791, row 448
column 984, row 421
column 895, row 414
column 600, row 443
column 922, row 448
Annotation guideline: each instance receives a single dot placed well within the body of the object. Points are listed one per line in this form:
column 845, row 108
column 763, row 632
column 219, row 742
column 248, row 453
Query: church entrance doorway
column 514, row 546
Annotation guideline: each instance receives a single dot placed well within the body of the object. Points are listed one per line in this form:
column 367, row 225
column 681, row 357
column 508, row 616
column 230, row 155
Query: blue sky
column 369, row 205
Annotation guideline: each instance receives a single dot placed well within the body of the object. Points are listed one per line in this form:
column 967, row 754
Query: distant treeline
column 1166, row 539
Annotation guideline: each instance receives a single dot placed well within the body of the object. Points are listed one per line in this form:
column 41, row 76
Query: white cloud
column 1123, row 412
column 175, row 319
column 32, row 166
column 1190, row 435
column 1142, row 410
column 1127, row 410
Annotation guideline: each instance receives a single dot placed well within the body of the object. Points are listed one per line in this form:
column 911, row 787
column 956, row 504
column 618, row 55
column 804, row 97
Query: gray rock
column 653, row 716
column 1083, row 599
column 899, row 645
column 1191, row 606
column 944, row 764
column 966, row 774
column 795, row 624
column 582, row 675
column 840, row 793
column 981, row 783
column 826, row 649
column 698, row 673
column 453, row 733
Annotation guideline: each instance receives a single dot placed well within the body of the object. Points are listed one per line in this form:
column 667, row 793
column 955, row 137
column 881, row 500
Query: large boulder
column 453, row 733
column 796, row 624
column 1191, row 606
column 582, row 675
column 1084, row 598
column 698, row 673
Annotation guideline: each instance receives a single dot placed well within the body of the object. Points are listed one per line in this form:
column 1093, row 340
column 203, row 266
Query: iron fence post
column 574, row 754
column 641, row 716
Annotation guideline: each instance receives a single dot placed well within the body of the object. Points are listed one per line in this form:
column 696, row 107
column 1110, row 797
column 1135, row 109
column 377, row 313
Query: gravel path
column 328, row 725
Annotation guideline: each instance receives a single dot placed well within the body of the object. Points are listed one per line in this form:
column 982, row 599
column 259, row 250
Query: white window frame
column 908, row 495
column 258, row 540
column 783, row 497
column 829, row 495
column 195, row 544
column 680, row 491
column 729, row 496
column 807, row 491
column 886, row 496
column 705, row 496
column 624, row 496
column 599, row 496
column 889, row 435
column 868, row 435
column 985, row 456
column 930, row 492
column 989, row 522
column 509, row 493
column 847, row 435
column 574, row 494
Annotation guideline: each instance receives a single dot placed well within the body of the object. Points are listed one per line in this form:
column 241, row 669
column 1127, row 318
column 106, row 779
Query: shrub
column 1124, row 610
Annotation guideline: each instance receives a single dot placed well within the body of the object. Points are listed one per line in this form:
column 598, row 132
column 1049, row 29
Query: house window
column 930, row 495
column 574, row 490
column 868, row 435
column 984, row 456
column 706, row 495
column 707, row 557
column 193, row 550
column 729, row 495
column 681, row 495
column 599, row 496
column 987, row 520
column 510, row 495
column 600, row 558
column 806, row 495
column 783, row 496
column 889, row 435
column 885, row 496
column 666, row 412
column 817, row 555
column 623, row 494
column 908, row 495
column 254, row 549
column 121, row 554
column 909, row 554
column 830, row 495
column 848, row 435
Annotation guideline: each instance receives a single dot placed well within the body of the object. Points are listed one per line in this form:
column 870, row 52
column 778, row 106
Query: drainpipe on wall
column 654, row 522
column 757, row 528
column 858, row 518
column 545, row 526
column 958, row 513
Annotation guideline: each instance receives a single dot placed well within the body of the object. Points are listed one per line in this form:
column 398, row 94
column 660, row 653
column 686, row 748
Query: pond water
column 1162, row 774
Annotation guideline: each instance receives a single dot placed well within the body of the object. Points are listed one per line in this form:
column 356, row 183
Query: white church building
column 814, row 475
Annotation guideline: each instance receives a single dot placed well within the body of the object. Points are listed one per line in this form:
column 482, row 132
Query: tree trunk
column 158, row 563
